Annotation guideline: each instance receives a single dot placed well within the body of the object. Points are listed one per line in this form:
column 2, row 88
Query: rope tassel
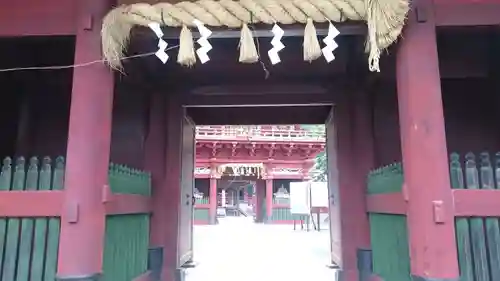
column 186, row 54
column 312, row 49
column 248, row 51
column 385, row 19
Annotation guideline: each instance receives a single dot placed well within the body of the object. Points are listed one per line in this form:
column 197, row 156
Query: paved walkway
column 238, row 249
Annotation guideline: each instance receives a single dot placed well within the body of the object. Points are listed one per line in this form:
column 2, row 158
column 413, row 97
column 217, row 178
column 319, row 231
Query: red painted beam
column 387, row 203
column 450, row 13
column 256, row 100
column 281, row 206
column 35, row 18
column 321, row 210
column 201, row 222
column 259, row 89
column 33, row 203
column 202, row 206
column 120, row 204
column 288, row 176
column 476, row 202
column 284, row 222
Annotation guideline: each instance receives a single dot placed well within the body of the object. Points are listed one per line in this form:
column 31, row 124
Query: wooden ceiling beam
column 259, row 100
column 451, row 13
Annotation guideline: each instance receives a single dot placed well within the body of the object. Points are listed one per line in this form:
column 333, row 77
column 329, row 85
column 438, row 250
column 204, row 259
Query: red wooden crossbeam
column 121, row 204
column 31, row 203
column 202, row 206
column 388, row 203
column 51, row 204
column 466, row 203
column 476, row 202
column 467, row 13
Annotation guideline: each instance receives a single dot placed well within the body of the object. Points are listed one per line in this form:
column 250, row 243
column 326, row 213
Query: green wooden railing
column 123, row 179
column 389, row 235
column 127, row 236
column 281, row 212
column 202, row 215
column 478, row 238
column 28, row 246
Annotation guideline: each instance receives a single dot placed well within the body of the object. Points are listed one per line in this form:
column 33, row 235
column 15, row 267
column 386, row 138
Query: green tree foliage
column 320, row 165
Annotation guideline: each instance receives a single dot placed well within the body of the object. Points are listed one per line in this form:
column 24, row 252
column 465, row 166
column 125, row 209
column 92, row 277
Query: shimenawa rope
column 385, row 20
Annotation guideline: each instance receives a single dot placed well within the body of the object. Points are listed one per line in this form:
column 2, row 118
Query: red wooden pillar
column 89, row 140
column 269, row 200
column 213, row 194
column 348, row 225
column 251, row 199
column 356, row 233
column 155, row 163
column 259, row 198
column 425, row 160
column 245, row 195
column 306, row 167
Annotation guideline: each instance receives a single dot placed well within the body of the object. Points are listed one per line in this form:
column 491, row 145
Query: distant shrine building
column 247, row 170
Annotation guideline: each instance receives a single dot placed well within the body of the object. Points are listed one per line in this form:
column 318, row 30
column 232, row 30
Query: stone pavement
column 238, row 249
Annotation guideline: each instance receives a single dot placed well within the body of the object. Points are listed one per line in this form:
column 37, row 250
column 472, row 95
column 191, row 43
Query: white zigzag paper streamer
column 331, row 45
column 205, row 46
column 277, row 44
column 162, row 45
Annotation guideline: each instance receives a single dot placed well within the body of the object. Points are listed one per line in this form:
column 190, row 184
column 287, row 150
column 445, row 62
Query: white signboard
column 319, row 194
column 299, row 198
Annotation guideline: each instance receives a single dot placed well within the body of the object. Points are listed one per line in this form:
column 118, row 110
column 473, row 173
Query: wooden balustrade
column 258, row 132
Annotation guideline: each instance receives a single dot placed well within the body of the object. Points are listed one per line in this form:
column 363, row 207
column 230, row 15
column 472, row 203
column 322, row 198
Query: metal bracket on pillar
column 107, row 194
column 421, row 14
column 404, row 191
column 438, row 209
column 87, row 22
column 72, row 212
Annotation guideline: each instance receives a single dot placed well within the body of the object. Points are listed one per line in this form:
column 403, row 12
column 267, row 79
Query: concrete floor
column 238, row 249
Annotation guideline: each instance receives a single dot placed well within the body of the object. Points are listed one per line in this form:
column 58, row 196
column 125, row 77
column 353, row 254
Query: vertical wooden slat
column 54, row 227
column 39, row 241
column 126, row 246
column 490, row 180
column 478, row 236
column 127, row 236
column 389, row 235
column 13, row 225
column 5, row 184
column 389, row 238
column 461, row 224
column 27, row 227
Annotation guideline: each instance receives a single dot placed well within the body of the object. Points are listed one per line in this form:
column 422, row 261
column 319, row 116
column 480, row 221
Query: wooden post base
column 155, row 262
column 180, row 274
column 364, row 270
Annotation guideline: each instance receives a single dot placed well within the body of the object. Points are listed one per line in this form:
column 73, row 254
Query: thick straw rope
column 385, row 20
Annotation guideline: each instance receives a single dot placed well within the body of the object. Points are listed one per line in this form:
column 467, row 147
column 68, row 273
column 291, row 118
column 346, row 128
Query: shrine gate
column 113, row 198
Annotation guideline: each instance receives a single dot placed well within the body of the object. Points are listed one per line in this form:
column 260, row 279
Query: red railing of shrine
column 265, row 133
